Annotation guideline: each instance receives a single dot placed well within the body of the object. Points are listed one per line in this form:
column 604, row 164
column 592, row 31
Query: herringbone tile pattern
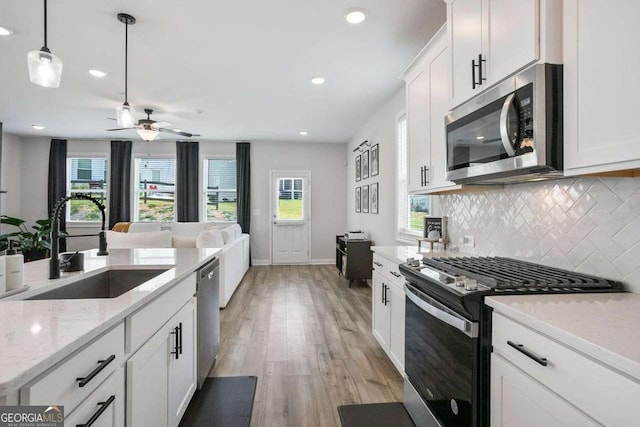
column 591, row 225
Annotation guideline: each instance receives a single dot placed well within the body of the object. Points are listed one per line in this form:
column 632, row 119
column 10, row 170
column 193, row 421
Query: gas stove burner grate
column 506, row 273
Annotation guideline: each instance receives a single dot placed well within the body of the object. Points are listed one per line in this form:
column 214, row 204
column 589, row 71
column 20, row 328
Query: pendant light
column 125, row 113
column 45, row 69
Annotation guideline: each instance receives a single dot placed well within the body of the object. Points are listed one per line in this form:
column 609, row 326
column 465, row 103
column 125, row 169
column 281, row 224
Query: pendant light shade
column 125, row 113
column 148, row 134
column 45, row 69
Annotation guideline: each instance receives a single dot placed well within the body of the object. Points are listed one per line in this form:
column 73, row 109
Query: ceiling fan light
column 125, row 115
column 148, row 134
column 45, row 69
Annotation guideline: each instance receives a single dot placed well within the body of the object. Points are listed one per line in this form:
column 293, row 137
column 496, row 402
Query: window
column 86, row 176
column 220, row 190
column 290, row 200
column 155, row 180
column 411, row 208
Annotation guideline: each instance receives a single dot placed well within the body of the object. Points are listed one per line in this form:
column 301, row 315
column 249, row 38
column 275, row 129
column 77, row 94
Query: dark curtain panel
column 120, row 183
column 187, row 162
column 58, row 182
column 243, row 168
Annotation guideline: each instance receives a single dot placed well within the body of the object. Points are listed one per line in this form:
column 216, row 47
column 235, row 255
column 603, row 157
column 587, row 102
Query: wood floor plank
column 307, row 337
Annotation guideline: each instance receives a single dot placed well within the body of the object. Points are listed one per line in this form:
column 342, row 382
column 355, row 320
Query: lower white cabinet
column 105, row 406
column 161, row 376
column 388, row 309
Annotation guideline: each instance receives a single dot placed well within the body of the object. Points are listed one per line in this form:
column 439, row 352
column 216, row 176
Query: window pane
column 87, row 176
column 220, row 192
column 419, row 207
column 290, row 201
column 156, row 195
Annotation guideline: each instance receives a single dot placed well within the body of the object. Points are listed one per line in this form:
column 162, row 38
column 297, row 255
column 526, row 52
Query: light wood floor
column 307, row 337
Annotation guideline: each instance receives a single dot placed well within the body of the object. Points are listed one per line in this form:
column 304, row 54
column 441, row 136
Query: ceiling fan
column 149, row 129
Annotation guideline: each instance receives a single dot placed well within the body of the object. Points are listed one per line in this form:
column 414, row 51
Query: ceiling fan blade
column 120, row 129
column 187, row 134
column 111, row 118
column 163, row 124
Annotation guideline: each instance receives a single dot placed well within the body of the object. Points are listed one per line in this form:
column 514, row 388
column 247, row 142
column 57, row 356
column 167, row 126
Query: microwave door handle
column 504, row 132
column 463, row 325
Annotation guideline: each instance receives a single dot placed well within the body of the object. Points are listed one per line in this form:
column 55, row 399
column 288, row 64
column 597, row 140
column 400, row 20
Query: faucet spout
column 54, row 262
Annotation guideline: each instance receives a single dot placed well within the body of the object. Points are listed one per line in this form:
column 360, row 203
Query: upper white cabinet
column 601, row 65
column 492, row 39
column 427, row 82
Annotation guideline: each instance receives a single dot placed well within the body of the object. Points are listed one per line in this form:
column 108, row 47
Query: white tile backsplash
column 591, row 225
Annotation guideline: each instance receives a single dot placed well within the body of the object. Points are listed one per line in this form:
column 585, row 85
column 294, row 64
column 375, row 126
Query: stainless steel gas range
column 448, row 330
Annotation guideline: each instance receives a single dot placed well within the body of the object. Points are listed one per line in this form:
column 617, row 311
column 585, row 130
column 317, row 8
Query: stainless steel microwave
column 511, row 133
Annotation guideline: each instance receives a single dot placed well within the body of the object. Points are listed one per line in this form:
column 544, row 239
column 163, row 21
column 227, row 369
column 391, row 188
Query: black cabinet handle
column 176, row 347
column 385, row 300
column 522, row 349
column 180, row 338
column 377, row 263
column 480, row 76
column 382, row 288
column 426, row 176
column 473, row 74
column 421, row 176
column 96, row 415
column 83, row 381
column 398, row 275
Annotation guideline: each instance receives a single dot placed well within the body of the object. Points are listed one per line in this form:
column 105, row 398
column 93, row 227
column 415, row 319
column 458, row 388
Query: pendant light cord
column 126, row 62
column 45, row 23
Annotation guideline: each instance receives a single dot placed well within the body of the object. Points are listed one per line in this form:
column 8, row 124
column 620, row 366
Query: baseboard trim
column 313, row 262
column 260, row 262
column 322, row 261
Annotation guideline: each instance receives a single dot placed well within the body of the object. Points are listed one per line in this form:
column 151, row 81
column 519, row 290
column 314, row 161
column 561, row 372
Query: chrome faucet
column 54, row 262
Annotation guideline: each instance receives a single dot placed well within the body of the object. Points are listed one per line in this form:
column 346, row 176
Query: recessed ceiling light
column 355, row 16
column 304, row 132
column 317, row 80
column 98, row 73
column 37, row 127
column 479, row 137
column 5, row 31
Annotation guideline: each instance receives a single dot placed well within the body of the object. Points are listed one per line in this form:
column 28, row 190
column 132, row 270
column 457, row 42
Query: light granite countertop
column 602, row 326
column 35, row 335
column 399, row 254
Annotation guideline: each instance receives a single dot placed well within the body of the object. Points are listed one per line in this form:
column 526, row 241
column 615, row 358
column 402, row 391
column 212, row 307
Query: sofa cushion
column 150, row 239
column 237, row 229
column 183, row 241
column 190, row 229
column 228, row 234
column 210, row 239
column 143, row 227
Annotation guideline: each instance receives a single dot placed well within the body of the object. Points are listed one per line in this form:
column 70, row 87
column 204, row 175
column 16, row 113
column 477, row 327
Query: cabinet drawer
column 95, row 362
column 143, row 324
column 106, row 405
column 389, row 269
column 607, row 396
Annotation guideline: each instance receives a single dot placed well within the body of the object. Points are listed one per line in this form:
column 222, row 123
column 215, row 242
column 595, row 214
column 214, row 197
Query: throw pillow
column 151, row 239
column 210, row 239
column 237, row 229
column 228, row 234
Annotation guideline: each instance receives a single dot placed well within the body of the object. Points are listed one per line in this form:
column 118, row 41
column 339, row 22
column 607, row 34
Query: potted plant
column 34, row 244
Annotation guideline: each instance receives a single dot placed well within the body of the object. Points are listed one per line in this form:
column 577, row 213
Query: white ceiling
column 245, row 64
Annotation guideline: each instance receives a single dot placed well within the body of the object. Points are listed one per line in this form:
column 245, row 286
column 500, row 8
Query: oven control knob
column 471, row 285
column 460, row 281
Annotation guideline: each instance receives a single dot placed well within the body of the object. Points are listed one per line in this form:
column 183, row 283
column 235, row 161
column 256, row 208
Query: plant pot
column 35, row 255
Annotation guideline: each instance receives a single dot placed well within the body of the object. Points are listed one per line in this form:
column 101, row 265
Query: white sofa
column 234, row 256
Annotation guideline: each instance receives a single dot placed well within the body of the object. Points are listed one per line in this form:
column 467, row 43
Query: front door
column 291, row 216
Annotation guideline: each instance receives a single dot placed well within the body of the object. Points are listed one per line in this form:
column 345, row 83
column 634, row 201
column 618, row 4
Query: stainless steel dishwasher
column 208, row 293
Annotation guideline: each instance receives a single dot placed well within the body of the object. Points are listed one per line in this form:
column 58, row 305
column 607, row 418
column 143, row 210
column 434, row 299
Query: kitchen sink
column 108, row 284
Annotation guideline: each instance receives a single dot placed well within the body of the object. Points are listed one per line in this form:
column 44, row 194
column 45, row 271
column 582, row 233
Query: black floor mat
column 375, row 415
column 222, row 402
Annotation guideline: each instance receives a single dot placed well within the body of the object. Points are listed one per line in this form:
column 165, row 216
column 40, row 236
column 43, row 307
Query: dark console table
column 354, row 258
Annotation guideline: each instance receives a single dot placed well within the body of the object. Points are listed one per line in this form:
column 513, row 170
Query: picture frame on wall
column 375, row 162
column 365, row 199
column 365, row 165
column 374, row 198
column 358, row 200
column 358, row 168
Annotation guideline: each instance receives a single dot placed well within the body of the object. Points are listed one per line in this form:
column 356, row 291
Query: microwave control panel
column 524, row 101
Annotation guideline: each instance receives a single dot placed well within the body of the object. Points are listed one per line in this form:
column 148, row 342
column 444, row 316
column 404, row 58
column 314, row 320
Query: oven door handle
column 504, row 131
column 439, row 311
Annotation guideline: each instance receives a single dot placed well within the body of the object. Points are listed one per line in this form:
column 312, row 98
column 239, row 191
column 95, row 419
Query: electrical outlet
column 469, row 241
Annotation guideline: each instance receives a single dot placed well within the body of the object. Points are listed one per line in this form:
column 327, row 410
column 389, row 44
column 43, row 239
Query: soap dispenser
column 14, row 266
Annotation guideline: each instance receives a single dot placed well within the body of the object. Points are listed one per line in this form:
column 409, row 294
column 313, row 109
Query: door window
column 290, row 203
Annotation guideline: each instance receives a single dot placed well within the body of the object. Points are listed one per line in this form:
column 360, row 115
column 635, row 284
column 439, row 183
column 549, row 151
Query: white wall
column 328, row 174
column 381, row 130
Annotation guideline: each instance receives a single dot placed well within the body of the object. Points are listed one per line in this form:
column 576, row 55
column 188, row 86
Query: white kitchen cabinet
column 518, row 400
column 601, row 65
column 531, row 370
column 161, row 376
column 490, row 40
column 427, row 105
column 105, row 406
column 388, row 309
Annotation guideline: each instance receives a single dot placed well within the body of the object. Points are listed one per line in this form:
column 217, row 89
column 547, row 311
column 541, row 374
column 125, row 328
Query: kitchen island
column 40, row 338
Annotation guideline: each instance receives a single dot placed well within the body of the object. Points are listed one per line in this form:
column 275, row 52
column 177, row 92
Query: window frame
column 204, row 192
column 82, row 155
column 135, row 185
